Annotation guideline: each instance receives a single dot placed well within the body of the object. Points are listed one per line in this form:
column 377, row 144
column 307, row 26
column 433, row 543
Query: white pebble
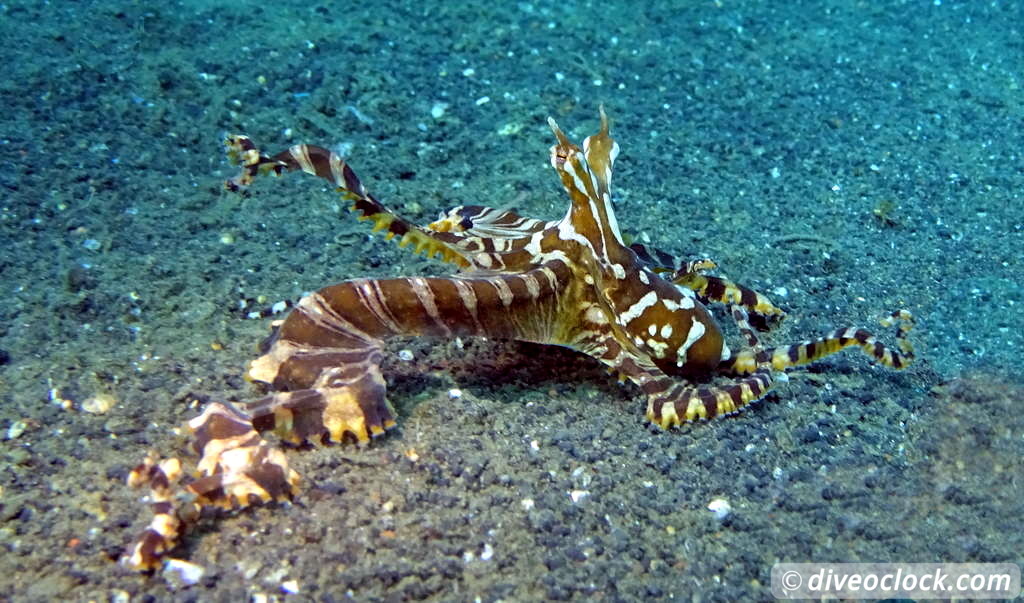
column 16, row 429
column 720, row 507
column 291, row 587
column 454, row 394
column 99, row 404
column 578, row 495
column 183, row 572
column 405, row 355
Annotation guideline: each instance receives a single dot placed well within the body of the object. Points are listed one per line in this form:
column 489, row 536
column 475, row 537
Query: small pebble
column 99, row 404
column 291, row 587
column 179, row 573
column 16, row 429
column 720, row 507
column 578, row 495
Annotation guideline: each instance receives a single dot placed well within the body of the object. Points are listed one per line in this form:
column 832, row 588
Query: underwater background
column 846, row 158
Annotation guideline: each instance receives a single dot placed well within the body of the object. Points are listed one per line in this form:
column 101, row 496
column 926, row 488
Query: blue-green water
column 846, row 158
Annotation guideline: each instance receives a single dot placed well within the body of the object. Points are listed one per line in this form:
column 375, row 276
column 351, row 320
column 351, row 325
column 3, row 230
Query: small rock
column 291, row 587
column 180, row 574
column 720, row 507
column 16, row 429
column 99, row 404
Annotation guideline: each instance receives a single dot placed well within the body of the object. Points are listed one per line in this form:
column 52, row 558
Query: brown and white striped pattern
column 785, row 357
column 164, row 529
column 571, row 282
column 325, row 357
column 237, row 468
column 672, row 403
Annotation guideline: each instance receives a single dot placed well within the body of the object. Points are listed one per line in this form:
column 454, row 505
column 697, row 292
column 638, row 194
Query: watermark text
column 896, row 580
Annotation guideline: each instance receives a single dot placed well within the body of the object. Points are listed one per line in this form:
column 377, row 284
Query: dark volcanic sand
column 845, row 158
